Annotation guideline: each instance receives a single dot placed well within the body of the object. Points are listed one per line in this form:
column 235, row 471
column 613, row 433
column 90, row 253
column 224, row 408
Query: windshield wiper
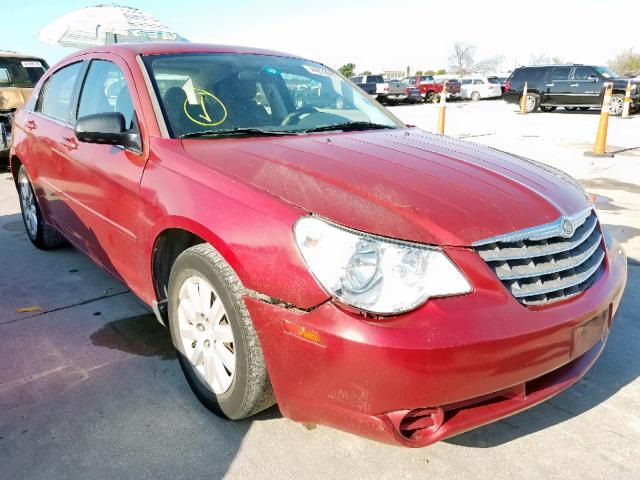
column 350, row 126
column 238, row 131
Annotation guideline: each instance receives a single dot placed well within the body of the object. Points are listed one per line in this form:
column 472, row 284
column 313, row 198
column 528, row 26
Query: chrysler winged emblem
column 567, row 227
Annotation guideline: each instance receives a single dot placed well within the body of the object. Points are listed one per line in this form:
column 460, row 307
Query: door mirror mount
column 106, row 128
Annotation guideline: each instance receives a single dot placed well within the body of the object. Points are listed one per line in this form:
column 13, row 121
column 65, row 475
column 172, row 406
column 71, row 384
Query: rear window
column 375, row 79
column 528, row 74
column 21, row 72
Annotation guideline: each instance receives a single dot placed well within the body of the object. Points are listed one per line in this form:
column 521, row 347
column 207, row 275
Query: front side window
column 583, row 73
column 105, row 90
column 58, row 95
column 220, row 92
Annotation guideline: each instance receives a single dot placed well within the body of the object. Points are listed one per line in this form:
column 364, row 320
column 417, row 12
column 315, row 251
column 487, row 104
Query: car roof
column 12, row 54
column 158, row 48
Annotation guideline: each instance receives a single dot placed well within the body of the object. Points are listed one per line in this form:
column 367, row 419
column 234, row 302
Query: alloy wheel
column 530, row 103
column 206, row 335
column 28, row 204
column 617, row 104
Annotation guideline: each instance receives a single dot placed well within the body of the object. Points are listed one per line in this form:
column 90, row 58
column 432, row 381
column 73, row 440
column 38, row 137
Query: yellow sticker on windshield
column 202, row 116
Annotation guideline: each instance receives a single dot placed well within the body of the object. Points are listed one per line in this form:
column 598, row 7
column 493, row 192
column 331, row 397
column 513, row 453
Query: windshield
column 205, row 93
column 21, row 72
column 607, row 72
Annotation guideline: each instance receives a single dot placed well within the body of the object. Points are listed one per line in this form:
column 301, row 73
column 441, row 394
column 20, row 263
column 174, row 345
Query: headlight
column 372, row 273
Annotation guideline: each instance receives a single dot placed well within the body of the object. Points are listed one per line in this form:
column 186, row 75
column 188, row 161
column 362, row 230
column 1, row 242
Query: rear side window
column 375, row 79
column 559, row 74
column 478, row 82
column 105, row 90
column 58, row 95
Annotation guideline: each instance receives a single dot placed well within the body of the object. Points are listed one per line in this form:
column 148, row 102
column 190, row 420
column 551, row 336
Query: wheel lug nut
column 207, row 343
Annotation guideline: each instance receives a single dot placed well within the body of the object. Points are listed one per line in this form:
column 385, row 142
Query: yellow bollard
column 523, row 100
column 601, row 137
column 443, row 106
column 627, row 101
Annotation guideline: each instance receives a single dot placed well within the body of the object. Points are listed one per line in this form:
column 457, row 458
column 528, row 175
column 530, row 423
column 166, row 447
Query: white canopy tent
column 106, row 24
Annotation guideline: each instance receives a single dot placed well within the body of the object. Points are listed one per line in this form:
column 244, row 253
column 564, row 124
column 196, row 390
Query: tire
column 617, row 104
column 428, row 98
column 236, row 384
column 548, row 109
column 583, row 109
column 475, row 96
column 532, row 103
column 571, row 109
column 41, row 234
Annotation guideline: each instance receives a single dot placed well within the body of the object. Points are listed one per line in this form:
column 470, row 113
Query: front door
column 103, row 180
column 586, row 86
column 558, row 89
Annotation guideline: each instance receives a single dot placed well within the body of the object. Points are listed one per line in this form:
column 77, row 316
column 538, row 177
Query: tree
column 544, row 59
column 348, row 70
column 366, row 72
column 463, row 60
column 626, row 63
column 419, row 73
column 430, row 72
column 442, row 71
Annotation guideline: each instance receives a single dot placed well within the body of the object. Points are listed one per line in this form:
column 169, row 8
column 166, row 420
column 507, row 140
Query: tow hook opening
column 417, row 424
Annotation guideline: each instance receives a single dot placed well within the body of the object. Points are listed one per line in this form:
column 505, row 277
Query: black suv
column 570, row 86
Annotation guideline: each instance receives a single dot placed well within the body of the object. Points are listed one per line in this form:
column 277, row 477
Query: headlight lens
column 375, row 274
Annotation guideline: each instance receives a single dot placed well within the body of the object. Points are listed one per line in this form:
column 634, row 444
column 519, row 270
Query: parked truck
column 378, row 88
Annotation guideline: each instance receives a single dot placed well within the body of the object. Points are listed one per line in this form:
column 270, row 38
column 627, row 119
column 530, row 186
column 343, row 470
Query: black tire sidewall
column 230, row 403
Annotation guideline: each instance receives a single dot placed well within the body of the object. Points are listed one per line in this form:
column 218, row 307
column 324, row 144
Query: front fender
column 251, row 229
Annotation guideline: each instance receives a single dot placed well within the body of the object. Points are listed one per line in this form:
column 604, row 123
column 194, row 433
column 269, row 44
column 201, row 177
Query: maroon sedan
column 362, row 274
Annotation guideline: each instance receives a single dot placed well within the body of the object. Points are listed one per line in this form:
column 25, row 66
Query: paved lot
column 91, row 388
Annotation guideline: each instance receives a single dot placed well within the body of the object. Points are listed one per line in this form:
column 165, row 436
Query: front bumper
column 450, row 366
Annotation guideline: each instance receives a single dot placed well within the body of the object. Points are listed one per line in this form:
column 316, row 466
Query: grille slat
column 535, row 248
column 538, row 270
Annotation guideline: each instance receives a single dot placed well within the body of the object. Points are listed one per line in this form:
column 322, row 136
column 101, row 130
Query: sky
column 376, row 35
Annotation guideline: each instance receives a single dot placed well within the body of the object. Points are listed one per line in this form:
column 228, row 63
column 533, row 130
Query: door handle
column 574, row 85
column 70, row 143
column 30, row 124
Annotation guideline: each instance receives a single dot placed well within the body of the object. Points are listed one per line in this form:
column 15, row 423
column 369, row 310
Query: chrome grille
column 548, row 263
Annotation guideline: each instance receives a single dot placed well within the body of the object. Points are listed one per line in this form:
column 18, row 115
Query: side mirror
column 106, row 128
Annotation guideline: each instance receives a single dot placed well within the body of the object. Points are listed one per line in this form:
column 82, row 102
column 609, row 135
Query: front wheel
column 475, row 96
column 212, row 331
column 40, row 233
column 571, row 109
column 547, row 109
column 617, row 105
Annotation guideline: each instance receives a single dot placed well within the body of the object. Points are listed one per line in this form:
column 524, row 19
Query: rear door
column 586, row 86
column 50, row 130
column 102, row 181
column 558, row 86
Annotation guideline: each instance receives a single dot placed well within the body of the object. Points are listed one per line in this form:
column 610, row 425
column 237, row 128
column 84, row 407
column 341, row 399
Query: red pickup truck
column 430, row 89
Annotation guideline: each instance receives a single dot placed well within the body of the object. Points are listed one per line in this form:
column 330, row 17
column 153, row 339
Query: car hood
column 404, row 183
column 13, row 97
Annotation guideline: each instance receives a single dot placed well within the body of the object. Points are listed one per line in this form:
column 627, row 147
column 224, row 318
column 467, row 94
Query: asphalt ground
column 90, row 386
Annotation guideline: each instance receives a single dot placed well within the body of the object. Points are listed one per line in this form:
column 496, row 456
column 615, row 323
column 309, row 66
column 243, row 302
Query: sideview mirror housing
column 106, row 128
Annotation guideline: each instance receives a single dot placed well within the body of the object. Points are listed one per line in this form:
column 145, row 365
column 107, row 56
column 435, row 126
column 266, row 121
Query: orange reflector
column 302, row 332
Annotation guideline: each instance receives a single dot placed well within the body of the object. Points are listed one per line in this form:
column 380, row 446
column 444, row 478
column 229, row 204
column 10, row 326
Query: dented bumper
column 449, row 366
